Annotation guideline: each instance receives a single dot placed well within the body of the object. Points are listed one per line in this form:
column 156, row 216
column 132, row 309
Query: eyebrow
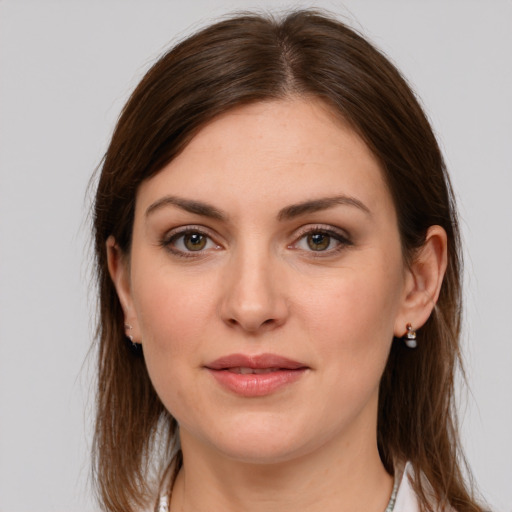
column 196, row 207
column 287, row 213
column 317, row 205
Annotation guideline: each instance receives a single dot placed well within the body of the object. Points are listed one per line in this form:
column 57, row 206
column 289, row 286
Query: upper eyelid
column 306, row 228
column 169, row 241
column 297, row 234
column 342, row 238
column 190, row 228
column 325, row 228
column 171, row 236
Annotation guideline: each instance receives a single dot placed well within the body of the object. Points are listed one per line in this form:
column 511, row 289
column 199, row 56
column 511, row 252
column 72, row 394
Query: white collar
column 406, row 499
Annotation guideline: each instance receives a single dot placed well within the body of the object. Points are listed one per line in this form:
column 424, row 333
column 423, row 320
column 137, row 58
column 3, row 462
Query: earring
column 410, row 337
column 135, row 347
column 128, row 327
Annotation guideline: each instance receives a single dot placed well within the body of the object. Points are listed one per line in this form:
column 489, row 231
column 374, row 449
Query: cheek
column 172, row 323
column 174, row 311
column 352, row 315
column 168, row 298
column 350, row 328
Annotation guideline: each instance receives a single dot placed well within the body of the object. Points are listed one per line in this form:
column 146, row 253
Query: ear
column 119, row 270
column 423, row 281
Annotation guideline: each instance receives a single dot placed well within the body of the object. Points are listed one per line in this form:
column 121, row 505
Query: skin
column 260, row 285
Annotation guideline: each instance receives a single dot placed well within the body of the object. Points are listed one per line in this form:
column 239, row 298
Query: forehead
column 272, row 152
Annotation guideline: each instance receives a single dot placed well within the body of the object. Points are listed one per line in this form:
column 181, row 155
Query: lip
column 275, row 372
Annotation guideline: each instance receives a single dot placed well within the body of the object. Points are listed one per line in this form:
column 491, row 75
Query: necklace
column 392, row 500
column 163, row 503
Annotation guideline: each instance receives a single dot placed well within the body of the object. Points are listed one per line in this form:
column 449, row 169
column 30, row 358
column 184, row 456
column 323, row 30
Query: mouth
column 255, row 376
column 252, row 364
column 251, row 371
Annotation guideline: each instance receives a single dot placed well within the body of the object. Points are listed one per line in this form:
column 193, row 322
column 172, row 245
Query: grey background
column 66, row 68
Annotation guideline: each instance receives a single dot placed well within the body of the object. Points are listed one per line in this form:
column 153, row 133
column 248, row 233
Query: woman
column 273, row 224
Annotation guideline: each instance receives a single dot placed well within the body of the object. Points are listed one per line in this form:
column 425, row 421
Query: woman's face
column 266, row 283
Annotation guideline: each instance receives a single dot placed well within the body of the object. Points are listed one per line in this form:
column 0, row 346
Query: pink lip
column 279, row 372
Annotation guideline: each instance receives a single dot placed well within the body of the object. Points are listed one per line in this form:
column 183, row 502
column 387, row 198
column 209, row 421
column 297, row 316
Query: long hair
column 242, row 60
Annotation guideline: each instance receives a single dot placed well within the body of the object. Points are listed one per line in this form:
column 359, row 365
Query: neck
column 333, row 478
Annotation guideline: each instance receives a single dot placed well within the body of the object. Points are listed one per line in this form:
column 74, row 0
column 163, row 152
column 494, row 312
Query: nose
column 253, row 297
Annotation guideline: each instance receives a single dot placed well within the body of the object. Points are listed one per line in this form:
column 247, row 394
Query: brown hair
column 252, row 58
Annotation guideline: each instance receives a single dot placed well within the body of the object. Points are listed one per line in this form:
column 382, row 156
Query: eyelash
column 171, row 238
column 342, row 240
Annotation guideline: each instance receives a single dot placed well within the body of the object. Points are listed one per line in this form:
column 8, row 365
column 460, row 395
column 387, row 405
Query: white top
column 406, row 500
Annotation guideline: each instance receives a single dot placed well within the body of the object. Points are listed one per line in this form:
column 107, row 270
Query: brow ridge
column 189, row 205
column 323, row 203
column 286, row 213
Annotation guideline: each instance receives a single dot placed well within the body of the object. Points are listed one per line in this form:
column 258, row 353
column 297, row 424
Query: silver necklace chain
column 163, row 504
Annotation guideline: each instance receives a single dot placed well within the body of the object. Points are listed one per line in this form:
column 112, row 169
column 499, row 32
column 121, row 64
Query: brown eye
column 189, row 242
column 318, row 241
column 194, row 241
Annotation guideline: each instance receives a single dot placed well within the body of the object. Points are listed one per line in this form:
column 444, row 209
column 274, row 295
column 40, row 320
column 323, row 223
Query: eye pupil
column 195, row 241
column 318, row 241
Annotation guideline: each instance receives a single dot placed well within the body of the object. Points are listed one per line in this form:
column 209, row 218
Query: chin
column 258, row 440
column 262, row 453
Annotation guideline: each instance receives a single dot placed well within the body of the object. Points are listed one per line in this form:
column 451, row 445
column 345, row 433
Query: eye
column 188, row 241
column 318, row 241
column 321, row 240
column 194, row 241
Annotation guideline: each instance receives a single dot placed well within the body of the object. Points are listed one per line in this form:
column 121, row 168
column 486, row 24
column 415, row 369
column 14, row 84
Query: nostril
column 251, row 326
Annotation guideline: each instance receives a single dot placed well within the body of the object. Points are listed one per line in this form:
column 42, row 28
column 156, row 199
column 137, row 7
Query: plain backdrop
column 67, row 67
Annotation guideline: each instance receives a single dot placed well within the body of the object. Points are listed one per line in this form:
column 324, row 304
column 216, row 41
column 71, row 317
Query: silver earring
column 135, row 347
column 128, row 327
column 410, row 337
